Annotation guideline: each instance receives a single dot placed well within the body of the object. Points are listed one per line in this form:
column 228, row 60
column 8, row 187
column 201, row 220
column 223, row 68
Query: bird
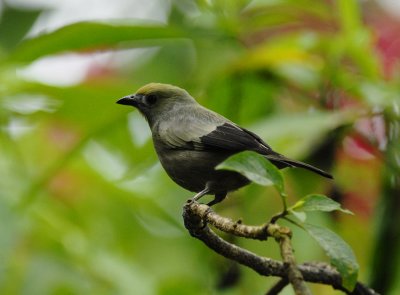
column 191, row 140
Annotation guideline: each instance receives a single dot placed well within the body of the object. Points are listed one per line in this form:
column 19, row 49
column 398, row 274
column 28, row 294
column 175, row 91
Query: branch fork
column 197, row 218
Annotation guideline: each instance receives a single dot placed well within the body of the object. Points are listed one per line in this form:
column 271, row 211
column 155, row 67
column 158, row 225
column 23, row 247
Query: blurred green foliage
column 85, row 208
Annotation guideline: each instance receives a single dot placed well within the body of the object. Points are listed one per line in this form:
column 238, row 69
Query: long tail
column 282, row 162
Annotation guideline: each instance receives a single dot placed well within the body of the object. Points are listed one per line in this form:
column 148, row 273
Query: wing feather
column 205, row 130
column 229, row 136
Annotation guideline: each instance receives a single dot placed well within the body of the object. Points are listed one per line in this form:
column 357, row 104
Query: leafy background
column 85, row 208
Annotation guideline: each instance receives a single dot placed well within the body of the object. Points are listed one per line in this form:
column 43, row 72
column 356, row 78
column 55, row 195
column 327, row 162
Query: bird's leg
column 199, row 195
column 218, row 198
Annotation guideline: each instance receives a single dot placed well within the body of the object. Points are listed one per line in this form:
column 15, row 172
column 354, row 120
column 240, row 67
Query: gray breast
column 193, row 169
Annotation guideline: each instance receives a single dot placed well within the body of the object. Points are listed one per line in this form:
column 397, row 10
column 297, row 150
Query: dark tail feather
column 282, row 162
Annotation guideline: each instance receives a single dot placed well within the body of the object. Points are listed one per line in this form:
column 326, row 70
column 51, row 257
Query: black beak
column 131, row 100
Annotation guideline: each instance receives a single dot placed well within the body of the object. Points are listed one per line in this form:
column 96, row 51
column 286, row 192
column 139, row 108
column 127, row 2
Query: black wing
column 230, row 137
column 199, row 133
column 234, row 138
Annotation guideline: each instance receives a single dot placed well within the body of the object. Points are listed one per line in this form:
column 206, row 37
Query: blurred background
column 85, row 207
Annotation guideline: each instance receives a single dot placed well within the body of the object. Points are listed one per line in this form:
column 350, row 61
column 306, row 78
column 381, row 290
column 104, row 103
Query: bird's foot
column 199, row 195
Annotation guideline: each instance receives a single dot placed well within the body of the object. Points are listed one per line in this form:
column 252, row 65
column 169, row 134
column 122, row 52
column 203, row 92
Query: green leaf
column 315, row 202
column 340, row 253
column 300, row 215
column 256, row 168
column 98, row 35
column 349, row 15
column 14, row 24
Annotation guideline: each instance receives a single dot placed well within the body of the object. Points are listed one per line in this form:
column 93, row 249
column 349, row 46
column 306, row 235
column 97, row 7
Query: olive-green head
column 157, row 98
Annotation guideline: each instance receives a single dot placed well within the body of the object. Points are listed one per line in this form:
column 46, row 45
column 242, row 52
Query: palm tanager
column 191, row 141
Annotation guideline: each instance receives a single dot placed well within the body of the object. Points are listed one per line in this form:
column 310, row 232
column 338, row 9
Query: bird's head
column 155, row 99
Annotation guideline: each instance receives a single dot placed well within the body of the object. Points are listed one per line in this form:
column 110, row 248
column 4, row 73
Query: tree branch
column 197, row 217
column 278, row 287
column 294, row 274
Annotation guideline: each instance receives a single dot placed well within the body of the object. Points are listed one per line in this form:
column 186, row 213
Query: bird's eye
column 151, row 99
